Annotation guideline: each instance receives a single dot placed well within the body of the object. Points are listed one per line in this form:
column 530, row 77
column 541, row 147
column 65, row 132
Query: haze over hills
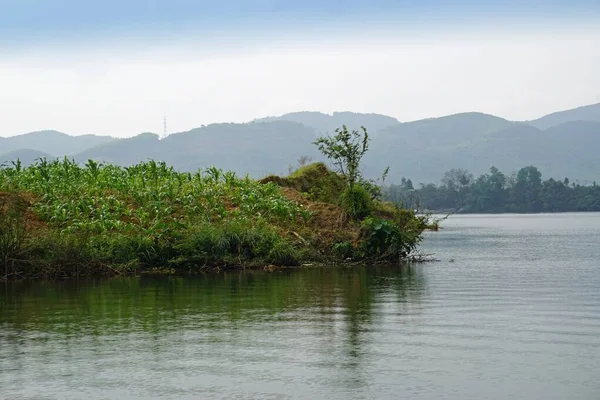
column 52, row 142
column 583, row 113
column 326, row 123
column 569, row 149
column 126, row 151
column 26, row 156
column 561, row 144
column 257, row 148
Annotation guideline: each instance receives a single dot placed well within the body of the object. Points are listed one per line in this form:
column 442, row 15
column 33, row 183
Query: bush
column 382, row 239
column 344, row 250
column 283, row 253
column 234, row 243
column 373, row 189
column 357, row 202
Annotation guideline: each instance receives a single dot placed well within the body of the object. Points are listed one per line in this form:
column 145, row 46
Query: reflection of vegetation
column 364, row 286
column 165, row 303
column 328, row 314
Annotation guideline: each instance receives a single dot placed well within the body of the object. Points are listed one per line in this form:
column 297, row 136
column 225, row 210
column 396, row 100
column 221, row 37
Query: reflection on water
column 516, row 314
column 218, row 335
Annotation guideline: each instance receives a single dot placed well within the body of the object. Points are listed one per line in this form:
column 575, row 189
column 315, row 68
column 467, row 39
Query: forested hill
column 561, row 144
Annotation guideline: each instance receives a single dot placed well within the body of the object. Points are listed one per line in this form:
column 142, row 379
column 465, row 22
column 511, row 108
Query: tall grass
column 357, row 202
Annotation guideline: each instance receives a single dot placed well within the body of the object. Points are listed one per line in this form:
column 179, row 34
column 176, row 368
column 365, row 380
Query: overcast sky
column 118, row 67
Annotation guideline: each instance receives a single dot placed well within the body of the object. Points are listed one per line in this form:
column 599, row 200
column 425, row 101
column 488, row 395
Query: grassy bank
column 61, row 219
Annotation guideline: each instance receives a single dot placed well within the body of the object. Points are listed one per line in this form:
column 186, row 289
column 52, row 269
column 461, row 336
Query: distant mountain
column 565, row 150
column 568, row 149
column 26, row 156
column 51, row 142
column 125, row 151
column 327, row 123
column 585, row 113
column 421, row 150
column 258, row 149
column 450, row 130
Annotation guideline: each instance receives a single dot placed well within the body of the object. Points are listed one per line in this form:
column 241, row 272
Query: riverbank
column 61, row 220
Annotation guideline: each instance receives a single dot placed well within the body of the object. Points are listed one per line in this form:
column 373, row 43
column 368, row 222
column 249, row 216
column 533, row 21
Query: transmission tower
column 165, row 127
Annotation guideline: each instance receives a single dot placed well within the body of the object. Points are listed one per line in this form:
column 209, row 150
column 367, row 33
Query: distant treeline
column 495, row 192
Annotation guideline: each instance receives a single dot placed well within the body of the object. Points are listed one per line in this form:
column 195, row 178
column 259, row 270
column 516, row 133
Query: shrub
column 372, row 188
column 234, row 242
column 357, row 202
column 343, row 250
column 382, row 239
column 283, row 253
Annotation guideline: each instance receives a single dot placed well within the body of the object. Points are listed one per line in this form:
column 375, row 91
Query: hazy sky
column 117, row 67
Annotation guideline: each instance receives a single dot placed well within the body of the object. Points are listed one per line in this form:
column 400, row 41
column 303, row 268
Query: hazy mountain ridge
column 257, row 149
column 26, row 156
column 421, row 150
column 124, row 151
column 584, row 113
column 450, row 130
column 325, row 123
column 52, row 142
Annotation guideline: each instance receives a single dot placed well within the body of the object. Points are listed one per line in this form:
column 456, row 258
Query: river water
column 510, row 310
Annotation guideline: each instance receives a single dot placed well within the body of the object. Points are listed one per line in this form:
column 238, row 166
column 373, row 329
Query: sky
column 119, row 67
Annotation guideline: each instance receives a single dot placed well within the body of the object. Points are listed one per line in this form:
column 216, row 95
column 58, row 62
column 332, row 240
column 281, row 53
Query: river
column 510, row 310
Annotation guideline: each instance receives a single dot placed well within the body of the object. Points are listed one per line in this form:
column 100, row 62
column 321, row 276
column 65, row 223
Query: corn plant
column 103, row 198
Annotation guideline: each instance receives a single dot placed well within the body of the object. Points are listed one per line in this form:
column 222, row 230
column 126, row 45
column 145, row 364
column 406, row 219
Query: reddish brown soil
column 329, row 224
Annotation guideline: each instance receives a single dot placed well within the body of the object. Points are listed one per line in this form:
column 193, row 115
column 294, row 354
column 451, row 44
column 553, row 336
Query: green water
column 511, row 310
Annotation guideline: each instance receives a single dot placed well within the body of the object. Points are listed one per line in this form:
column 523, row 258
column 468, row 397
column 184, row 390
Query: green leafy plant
column 345, row 150
column 382, row 239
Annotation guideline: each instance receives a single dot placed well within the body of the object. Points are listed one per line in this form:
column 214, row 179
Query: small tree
column 345, row 150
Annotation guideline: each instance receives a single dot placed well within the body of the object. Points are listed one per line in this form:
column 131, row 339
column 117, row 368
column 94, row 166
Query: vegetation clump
column 315, row 180
column 63, row 219
column 357, row 202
